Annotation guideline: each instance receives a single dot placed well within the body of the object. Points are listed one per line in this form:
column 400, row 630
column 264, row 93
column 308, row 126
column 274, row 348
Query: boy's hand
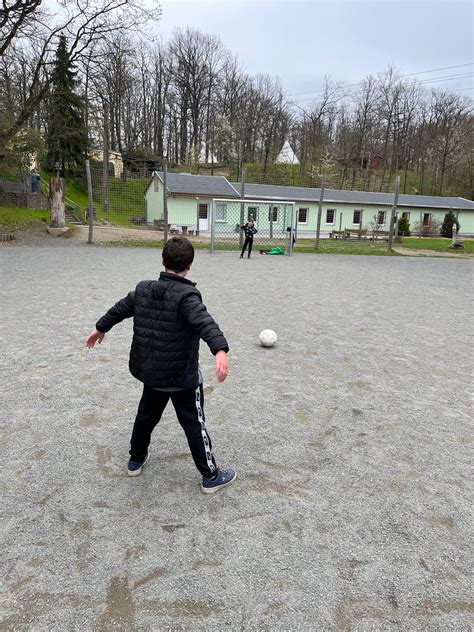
column 93, row 337
column 222, row 368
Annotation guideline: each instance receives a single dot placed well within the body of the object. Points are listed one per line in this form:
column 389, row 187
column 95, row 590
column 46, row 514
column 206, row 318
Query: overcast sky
column 301, row 41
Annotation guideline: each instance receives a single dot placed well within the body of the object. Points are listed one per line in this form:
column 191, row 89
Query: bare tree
column 318, row 122
column 18, row 19
column 82, row 22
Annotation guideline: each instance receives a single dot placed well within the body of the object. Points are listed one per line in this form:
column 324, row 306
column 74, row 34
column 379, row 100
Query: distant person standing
column 35, row 180
column 249, row 231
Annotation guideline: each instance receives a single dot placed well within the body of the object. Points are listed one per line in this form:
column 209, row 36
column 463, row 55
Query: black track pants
column 189, row 407
column 249, row 241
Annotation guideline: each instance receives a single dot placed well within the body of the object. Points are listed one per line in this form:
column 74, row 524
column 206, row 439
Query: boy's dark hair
column 178, row 254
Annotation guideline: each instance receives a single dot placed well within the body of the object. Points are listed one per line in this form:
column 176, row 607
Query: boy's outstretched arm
column 222, row 367
column 121, row 310
column 198, row 317
column 93, row 337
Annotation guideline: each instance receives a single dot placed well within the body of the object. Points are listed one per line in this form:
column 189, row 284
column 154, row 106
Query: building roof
column 188, row 184
column 219, row 186
column 303, row 194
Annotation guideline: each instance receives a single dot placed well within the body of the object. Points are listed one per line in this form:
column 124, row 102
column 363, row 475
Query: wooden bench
column 337, row 234
column 356, row 234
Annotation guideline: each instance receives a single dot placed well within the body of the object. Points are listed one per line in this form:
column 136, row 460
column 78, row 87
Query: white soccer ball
column 268, row 338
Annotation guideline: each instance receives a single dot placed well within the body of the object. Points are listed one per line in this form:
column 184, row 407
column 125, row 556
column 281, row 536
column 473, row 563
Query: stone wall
column 25, row 200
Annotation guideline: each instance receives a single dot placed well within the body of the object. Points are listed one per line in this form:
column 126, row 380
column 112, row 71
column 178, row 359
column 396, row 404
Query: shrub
column 433, row 228
column 404, row 226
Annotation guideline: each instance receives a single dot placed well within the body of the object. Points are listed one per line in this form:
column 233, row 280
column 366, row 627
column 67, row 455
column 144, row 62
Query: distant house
column 115, row 162
column 375, row 162
column 287, row 155
column 191, row 200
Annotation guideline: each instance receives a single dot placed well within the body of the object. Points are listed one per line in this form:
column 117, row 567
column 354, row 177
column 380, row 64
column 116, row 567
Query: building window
column 273, row 214
column 426, row 219
column 330, row 216
column 381, row 218
column 156, row 184
column 221, row 212
column 302, row 216
column 356, row 217
column 203, row 211
column 252, row 212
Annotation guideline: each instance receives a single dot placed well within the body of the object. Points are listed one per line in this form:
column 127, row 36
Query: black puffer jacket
column 249, row 230
column 169, row 319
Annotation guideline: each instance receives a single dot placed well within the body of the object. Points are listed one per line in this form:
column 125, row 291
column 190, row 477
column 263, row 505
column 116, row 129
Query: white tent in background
column 287, row 155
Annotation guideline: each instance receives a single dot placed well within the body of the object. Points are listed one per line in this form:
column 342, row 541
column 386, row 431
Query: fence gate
column 274, row 221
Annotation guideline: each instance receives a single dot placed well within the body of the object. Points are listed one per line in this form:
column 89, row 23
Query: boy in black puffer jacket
column 169, row 319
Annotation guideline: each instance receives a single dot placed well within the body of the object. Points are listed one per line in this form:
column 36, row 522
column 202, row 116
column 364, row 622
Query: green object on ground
column 274, row 251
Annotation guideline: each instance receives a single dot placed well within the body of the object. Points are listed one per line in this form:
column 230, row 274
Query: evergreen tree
column 447, row 227
column 404, row 226
column 67, row 136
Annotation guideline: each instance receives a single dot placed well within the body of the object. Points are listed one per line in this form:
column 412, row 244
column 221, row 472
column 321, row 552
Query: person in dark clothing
column 35, row 180
column 249, row 231
column 169, row 319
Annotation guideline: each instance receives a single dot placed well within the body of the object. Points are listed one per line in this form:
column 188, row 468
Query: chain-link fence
column 119, row 200
column 210, row 209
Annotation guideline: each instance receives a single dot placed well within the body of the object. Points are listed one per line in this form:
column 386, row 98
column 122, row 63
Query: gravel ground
column 351, row 440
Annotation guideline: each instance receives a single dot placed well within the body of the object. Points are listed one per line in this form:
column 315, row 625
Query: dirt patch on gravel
column 432, row 253
column 37, row 234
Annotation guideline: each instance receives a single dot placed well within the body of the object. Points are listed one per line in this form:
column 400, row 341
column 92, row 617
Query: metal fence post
column 320, row 212
column 90, row 203
column 197, row 216
column 394, row 212
column 165, row 202
column 212, row 227
column 242, row 207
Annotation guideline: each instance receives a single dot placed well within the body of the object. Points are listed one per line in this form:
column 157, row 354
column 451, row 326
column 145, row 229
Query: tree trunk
column 56, row 203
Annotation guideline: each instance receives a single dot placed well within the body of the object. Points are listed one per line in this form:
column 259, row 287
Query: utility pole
column 360, row 224
column 320, row 212
column 394, row 213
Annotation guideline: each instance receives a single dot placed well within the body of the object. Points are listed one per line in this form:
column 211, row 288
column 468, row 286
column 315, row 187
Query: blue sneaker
column 135, row 467
column 223, row 478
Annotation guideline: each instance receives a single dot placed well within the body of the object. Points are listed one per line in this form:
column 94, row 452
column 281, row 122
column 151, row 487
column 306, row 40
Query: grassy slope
column 13, row 219
column 126, row 199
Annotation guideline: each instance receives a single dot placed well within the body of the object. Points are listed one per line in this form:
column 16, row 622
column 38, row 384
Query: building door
column 203, row 217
